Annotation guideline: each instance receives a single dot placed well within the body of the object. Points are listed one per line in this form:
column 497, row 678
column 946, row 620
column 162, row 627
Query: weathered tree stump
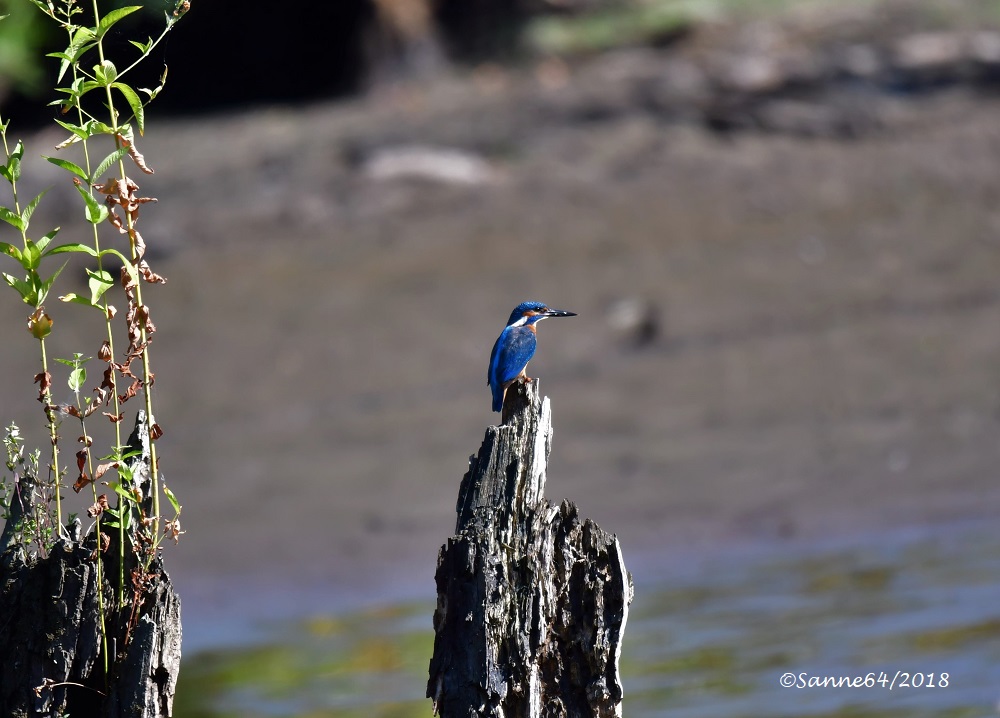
column 532, row 600
column 51, row 652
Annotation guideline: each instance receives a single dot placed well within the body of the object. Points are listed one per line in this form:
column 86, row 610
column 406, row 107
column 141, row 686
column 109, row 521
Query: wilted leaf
column 82, row 482
column 155, row 432
column 172, row 530
column 136, row 155
column 149, row 275
column 98, row 508
column 70, row 410
column 102, row 469
column 132, row 390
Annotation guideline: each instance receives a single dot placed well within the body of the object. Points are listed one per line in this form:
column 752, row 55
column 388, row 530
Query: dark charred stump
column 50, row 633
column 532, row 599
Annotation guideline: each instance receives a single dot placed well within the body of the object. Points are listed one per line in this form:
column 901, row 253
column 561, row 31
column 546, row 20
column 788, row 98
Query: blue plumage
column 515, row 346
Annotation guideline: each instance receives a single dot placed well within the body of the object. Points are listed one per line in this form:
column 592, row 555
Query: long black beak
column 559, row 313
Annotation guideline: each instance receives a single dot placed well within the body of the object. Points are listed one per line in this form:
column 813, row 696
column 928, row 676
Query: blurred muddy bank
column 786, row 283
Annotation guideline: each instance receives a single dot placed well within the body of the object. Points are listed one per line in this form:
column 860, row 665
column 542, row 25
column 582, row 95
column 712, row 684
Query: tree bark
column 532, row 599
column 50, row 631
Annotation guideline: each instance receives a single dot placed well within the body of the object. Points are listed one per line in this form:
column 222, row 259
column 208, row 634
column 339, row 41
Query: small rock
column 985, row 47
column 448, row 166
column 636, row 319
column 929, row 51
column 753, row 74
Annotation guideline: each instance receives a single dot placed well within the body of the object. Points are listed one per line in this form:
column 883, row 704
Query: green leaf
column 82, row 132
column 12, row 170
column 10, row 250
column 47, row 284
column 126, row 262
column 68, row 166
column 23, row 287
column 73, row 247
column 127, row 518
column 108, row 161
column 46, row 238
column 96, row 212
column 105, row 72
column 14, row 165
column 79, row 44
column 121, row 490
column 172, row 499
column 77, row 378
column 75, row 298
column 114, row 16
column 31, row 256
column 143, row 46
column 30, row 208
column 12, row 219
column 133, row 101
column 99, row 282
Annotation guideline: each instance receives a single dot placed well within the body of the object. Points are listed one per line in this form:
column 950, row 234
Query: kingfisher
column 515, row 346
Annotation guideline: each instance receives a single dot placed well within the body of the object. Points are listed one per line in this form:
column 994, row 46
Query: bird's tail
column 498, row 392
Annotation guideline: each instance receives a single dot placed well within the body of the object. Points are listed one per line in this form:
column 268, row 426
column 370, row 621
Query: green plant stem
column 53, row 437
column 47, row 393
column 120, row 589
column 146, row 373
column 97, row 532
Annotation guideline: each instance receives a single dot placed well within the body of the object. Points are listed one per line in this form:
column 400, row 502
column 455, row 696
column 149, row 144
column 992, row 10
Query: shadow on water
column 709, row 639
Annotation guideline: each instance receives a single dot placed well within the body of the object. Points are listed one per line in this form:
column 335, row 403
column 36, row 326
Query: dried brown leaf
column 128, row 284
column 113, row 217
column 68, row 409
column 172, row 530
column 136, row 156
column 149, row 275
column 102, row 469
column 82, row 482
column 155, row 432
column 132, row 390
column 44, row 381
column 114, row 419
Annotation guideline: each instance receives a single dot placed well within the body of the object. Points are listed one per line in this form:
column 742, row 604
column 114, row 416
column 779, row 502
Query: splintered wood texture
column 532, row 599
column 50, row 631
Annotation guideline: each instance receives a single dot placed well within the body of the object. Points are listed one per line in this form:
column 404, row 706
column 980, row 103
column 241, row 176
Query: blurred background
column 779, row 223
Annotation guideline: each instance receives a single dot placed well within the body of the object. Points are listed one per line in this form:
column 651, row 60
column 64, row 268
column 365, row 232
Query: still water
column 707, row 636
